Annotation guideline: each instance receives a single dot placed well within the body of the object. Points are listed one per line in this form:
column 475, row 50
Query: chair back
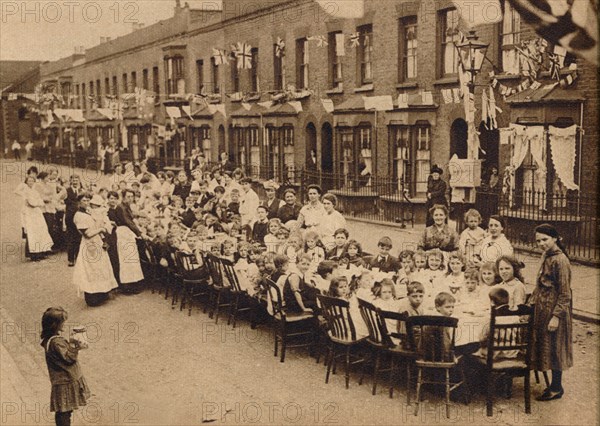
column 231, row 275
column 213, row 264
column 148, row 253
column 434, row 336
column 510, row 330
column 407, row 340
column 275, row 298
column 187, row 262
column 378, row 334
column 337, row 314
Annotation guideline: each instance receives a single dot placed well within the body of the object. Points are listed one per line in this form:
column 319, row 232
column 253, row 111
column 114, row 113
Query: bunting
column 320, row 39
column 354, row 40
column 280, row 47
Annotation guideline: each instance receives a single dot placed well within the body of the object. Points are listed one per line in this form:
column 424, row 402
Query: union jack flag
column 355, row 39
column 220, row 56
column 243, row 54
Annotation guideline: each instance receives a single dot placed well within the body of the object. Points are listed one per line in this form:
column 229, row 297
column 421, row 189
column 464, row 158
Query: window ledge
column 407, row 85
column 365, row 88
column 446, row 81
column 337, row 91
column 505, row 77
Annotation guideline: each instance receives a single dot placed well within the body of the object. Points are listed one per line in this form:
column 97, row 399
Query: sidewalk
column 584, row 283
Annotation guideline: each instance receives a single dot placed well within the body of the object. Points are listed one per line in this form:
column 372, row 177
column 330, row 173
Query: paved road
column 149, row 364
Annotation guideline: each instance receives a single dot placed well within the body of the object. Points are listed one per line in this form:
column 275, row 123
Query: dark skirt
column 95, row 299
column 69, row 396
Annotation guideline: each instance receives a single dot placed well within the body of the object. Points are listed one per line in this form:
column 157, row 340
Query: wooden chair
column 435, row 340
column 289, row 325
column 194, row 279
column 380, row 339
column 219, row 289
column 342, row 335
column 241, row 301
column 508, row 332
column 150, row 265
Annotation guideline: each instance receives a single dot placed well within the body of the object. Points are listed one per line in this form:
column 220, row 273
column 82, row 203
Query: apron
column 130, row 268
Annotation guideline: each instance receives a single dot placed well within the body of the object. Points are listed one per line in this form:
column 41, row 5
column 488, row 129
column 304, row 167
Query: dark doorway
column 489, row 141
column 222, row 145
column 327, row 156
column 311, row 147
column 458, row 138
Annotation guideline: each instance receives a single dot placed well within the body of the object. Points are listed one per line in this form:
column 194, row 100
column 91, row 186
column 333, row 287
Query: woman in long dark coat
column 553, row 320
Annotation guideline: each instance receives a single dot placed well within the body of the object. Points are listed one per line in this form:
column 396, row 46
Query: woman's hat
column 436, row 169
column 97, row 200
column 270, row 184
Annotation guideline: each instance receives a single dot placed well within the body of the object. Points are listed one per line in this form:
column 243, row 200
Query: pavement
column 150, row 364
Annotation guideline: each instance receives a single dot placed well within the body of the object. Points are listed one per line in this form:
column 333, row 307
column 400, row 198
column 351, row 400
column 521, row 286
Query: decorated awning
column 70, row 115
column 545, row 105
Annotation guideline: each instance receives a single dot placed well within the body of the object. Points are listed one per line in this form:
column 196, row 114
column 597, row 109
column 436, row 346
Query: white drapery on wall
column 528, row 139
column 564, row 151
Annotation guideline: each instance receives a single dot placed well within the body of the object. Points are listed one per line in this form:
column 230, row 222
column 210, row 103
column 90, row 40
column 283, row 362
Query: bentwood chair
column 219, row 288
column 388, row 343
column 343, row 340
column 297, row 327
column 195, row 279
column 435, row 349
column 509, row 331
column 241, row 301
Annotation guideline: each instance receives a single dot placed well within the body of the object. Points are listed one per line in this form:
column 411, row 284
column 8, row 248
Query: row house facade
column 324, row 74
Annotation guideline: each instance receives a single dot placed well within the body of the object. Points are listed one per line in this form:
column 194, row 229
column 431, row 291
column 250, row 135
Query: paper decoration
column 378, row 103
column 320, row 39
column 173, row 112
column 220, row 57
column 426, row 97
column 188, row 110
column 403, row 100
column 297, row 105
column 354, row 39
column 328, row 105
column 564, row 151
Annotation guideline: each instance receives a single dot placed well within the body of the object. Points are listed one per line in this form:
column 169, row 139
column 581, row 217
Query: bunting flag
column 280, row 47
column 12, row 97
column 220, row 56
column 243, row 53
column 476, row 13
column 354, row 39
column 348, row 9
column 328, row 105
column 572, row 24
column 320, row 39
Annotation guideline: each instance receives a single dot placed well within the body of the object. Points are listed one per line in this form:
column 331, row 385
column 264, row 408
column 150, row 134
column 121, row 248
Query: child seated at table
column 326, row 271
column 362, row 285
column 313, row 249
column 436, row 342
column 281, row 264
column 213, row 225
column 298, row 293
column 341, row 239
column 407, row 263
column 354, row 254
column 470, row 239
column 339, row 288
column 474, row 298
column 385, row 297
column 499, row 297
column 454, row 280
column 234, row 204
column 509, row 270
column 411, row 305
column 260, row 229
column 271, row 240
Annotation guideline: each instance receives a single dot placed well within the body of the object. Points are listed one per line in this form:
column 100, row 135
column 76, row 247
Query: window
column 65, row 91
column 408, row 48
column 115, row 86
column 278, row 78
column 133, row 81
column 107, row 86
column 510, row 40
column 83, row 96
column 365, row 54
column 335, row 59
column 98, row 90
column 145, row 82
column 78, row 103
column 215, row 75
column 354, row 153
column 125, row 83
column 279, row 153
column 92, row 99
column 201, row 140
column 254, row 71
column 235, row 77
column 302, row 63
column 175, row 75
column 248, row 149
column 449, row 35
column 155, row 82
column 410, row 154
column 200, row 75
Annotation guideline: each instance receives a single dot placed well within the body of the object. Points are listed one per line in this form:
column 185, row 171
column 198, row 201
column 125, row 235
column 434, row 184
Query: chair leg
column 545, row 373
column 537, row 377
column 392, row 362
column 489, row 398
column 329, row 361
column 408, row 383
column 376, row 370
column 217, row 307
column 275, row 331
column 283, row 346
column 447, row 393
column 362, row 371
column 528, row 393
column 347, row 367
column 465, row 385
column 418, row 396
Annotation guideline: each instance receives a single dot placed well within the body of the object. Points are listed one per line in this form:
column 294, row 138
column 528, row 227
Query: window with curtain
column 98, row 92
column 145, row 81
column 78, row 103
column 235, row 77
column 335, row 59
column 422, row 159
column 254, row 71
column 201, row 140
column 365, row 54
column 175, row 78
column 133, row 81
column 302, row 63
column 408, row 48
column 107, row 86
column 279, row 152
column 510, row 40
column 449, row 35
column 215, row 76
column 400, row 154
column 124, row 80
column 354, row 154
column 199, row 75
column 156, row 82
column 91, row 92
column 278, row 79
column 83, row 96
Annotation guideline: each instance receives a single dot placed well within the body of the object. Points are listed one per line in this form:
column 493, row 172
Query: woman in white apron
column 38, row 239
column 130, row 269
column 93, row 274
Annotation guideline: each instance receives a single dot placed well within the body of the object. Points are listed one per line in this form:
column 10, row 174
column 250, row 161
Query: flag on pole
column 349, row 9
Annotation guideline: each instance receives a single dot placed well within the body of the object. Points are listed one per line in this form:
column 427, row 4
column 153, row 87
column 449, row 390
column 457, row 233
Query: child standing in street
column 69, row 388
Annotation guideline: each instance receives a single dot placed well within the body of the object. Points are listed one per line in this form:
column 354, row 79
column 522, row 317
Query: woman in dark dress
column 552, row 347
column 436, row 192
